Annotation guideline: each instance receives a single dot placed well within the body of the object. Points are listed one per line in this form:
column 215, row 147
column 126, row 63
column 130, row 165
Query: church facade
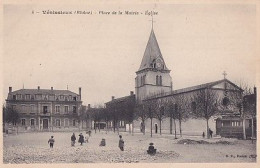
column 153, row 82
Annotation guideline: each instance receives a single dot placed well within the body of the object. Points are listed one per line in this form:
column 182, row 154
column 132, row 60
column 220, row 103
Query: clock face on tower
column 159, row 64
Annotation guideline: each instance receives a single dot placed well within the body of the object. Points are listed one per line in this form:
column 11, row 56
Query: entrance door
column 45, row 123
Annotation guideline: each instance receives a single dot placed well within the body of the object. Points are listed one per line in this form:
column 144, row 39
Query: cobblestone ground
column 34, row 148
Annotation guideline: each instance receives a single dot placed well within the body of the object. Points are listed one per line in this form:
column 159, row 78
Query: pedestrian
column 87, row 137
column 81, row 138
column 73, row 139
column 121, row 143
column 51, row 141
column 151, row 149
column 203, row 135
column 89, row 132
column 210, row 133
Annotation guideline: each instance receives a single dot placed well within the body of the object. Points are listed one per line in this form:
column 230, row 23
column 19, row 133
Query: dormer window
column 27, row 96
column 75, row 98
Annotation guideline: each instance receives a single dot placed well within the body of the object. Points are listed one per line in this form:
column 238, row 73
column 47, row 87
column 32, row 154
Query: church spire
column 152, row 53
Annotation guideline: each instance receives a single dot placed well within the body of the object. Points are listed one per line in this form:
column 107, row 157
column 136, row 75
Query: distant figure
column 121, row 143
column 203, row 134
column 51, row 141
column 87, row 137
column 89, row 132
column 151, row 149
column 73, row 139
column 103, row 142
column 210, row 133
column 81, row 138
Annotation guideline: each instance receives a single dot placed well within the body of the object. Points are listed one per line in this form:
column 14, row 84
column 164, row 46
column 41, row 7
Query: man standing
column 73, row 139
column 51, row 141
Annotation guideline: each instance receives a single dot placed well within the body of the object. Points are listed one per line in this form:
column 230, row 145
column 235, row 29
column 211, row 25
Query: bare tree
column 181, row 108
column 11, row 115
column 236, row 101
column 159, row 112
column 171, row 112
column 206, row 101
column 150, row 108
column 142, row 114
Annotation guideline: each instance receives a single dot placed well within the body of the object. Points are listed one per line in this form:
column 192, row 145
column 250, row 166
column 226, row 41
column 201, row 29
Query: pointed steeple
column 152, row 54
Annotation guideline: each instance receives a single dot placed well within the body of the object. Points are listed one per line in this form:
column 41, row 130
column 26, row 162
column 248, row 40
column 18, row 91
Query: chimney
column 52, row 88
column 38, row 88
column 131, row 93
column 113, row 97
column 80, row 91
column 10, row 89
column 88, row 106
column 255, row 90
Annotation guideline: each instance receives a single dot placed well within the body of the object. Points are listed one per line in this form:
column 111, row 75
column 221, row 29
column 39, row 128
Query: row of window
column 57, row 122
column 158, row 80
column 32, row 122
column 45, row 109
column 65, row 124
column 233, row 123
column 44, row 97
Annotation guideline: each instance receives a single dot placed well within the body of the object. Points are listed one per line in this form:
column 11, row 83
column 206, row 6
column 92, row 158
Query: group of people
column 81, row 140
column 210, row 133
column 151, row 150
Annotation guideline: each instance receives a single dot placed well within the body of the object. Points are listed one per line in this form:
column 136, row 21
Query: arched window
column 144, row 79
column 157, row 80
column 161, row 80
column 141, row 81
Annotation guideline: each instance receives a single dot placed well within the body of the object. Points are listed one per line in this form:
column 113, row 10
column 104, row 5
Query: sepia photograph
column 140, row 82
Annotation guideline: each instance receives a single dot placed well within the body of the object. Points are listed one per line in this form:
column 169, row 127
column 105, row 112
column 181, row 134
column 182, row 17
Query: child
column 121, row 143
column 87, row 137
column 103, row 142
column 151, row 149
column 51, row 141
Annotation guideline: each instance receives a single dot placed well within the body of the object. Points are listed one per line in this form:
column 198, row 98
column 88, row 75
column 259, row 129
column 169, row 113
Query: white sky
column 101, row 53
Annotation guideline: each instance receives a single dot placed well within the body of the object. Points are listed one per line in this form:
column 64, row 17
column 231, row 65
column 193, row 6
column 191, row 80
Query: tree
column 237, row 101
column 206, row 101
column 182, row 110
column 141, row 113
column 171, row 110
column 106, row 116
column 150, row 108
column 159, row 112
column 128, row 109
column 11, row 115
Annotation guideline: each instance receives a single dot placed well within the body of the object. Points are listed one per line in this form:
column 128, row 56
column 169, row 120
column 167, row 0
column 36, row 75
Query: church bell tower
column 153, row 77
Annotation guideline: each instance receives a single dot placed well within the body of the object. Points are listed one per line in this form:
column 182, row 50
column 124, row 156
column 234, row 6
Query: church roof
column 193, row 88
column 204, row 86
column 152, row 52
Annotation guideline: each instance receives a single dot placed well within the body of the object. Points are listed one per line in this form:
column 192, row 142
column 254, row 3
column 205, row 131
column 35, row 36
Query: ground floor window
column 32, row 122
column 58, row 122
column 66, row 122
column 23, row 122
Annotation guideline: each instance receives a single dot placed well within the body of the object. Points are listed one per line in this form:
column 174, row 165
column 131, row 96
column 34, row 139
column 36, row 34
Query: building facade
column 153, row 81
column 45, row 109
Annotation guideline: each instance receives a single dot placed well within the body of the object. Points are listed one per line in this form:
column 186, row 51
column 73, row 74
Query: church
column 153, row 82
